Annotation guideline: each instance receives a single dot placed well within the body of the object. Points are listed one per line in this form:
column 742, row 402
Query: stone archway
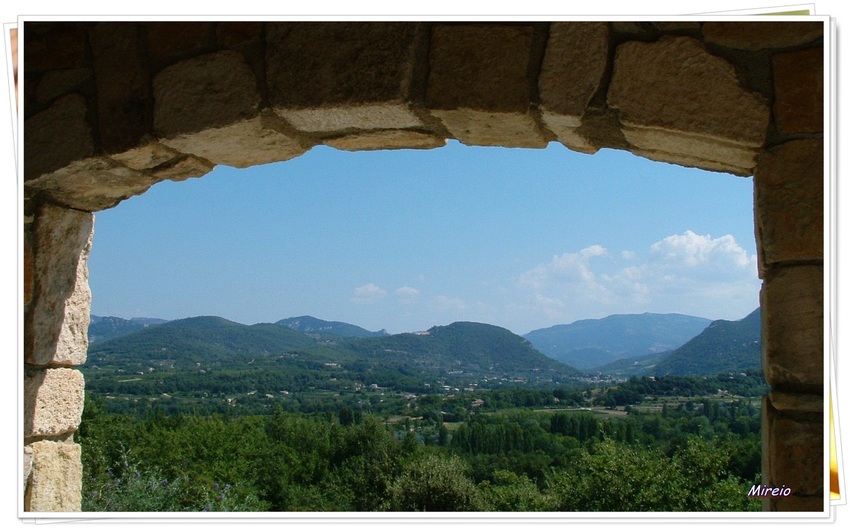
column 113, row 107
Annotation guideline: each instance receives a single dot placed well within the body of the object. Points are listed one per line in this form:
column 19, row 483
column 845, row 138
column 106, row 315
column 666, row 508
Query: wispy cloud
column 368, row 293
column 407, row 291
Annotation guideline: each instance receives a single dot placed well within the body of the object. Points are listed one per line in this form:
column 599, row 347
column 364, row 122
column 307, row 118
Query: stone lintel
column 481, row 128
column 390, row 115
column 93, row 184
column 385, row 140
column 243, row 144
column 706, row 152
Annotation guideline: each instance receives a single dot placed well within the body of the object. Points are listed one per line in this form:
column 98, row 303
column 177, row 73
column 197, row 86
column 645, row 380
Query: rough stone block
column 57, row 327
column 54, row 84
column 93, row 184
column 761, row 35
column 331, row 64
column 163, row 163
column 789, row 196
column 242, row 144
column 28, row 262
column 675, row 88
column 482, row 67
column 573, row 66
column 792, row 328
column 362, row 117
column 53, row 401
column 209, row 91
column 794, row 456
column 798, row 84
column 57, row 477
column 386, row 139
column 170, row 39
column 54, row 46
column 475, row 127
column 57, row 136
column 28, row 454
column 232, row 34
column 123, row 84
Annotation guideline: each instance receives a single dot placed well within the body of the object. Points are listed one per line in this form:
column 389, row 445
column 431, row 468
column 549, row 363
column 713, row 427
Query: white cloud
column 369, row 293
column 407, row 291
column 566, row 268
column 687, row 273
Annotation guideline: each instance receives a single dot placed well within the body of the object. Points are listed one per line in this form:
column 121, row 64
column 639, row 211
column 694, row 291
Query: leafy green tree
column 434, row 483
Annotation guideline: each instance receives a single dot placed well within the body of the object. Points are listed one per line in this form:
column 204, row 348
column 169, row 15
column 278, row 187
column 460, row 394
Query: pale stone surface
column 481, row 67
column 675, row 86
column 57, row 328
column 364, row 117
column 792, row 328
column 57, row 136
column 93, row 184
column 761, row 35
column 789, row 197
column 53, row 401
column 386, row 139
column 146, row 156
column 240, row 145
column 339, row 64
column 798, row 82
column 690, row 161
column 475, row 127
column 794, row 452
column 57, row 477
column 693, row 150
column 213, row 90
column 28, row 453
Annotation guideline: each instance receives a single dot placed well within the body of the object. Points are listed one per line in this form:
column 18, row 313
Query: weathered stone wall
column 111, row 108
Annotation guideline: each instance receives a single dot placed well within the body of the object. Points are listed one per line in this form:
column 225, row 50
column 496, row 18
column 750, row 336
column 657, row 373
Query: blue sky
column 404, row 240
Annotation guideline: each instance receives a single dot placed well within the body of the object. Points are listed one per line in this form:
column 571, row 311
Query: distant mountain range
column 592, row 343
column 617, row 345
column 461, row 349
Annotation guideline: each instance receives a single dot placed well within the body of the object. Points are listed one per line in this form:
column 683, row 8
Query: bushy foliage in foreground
column 686, row 460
